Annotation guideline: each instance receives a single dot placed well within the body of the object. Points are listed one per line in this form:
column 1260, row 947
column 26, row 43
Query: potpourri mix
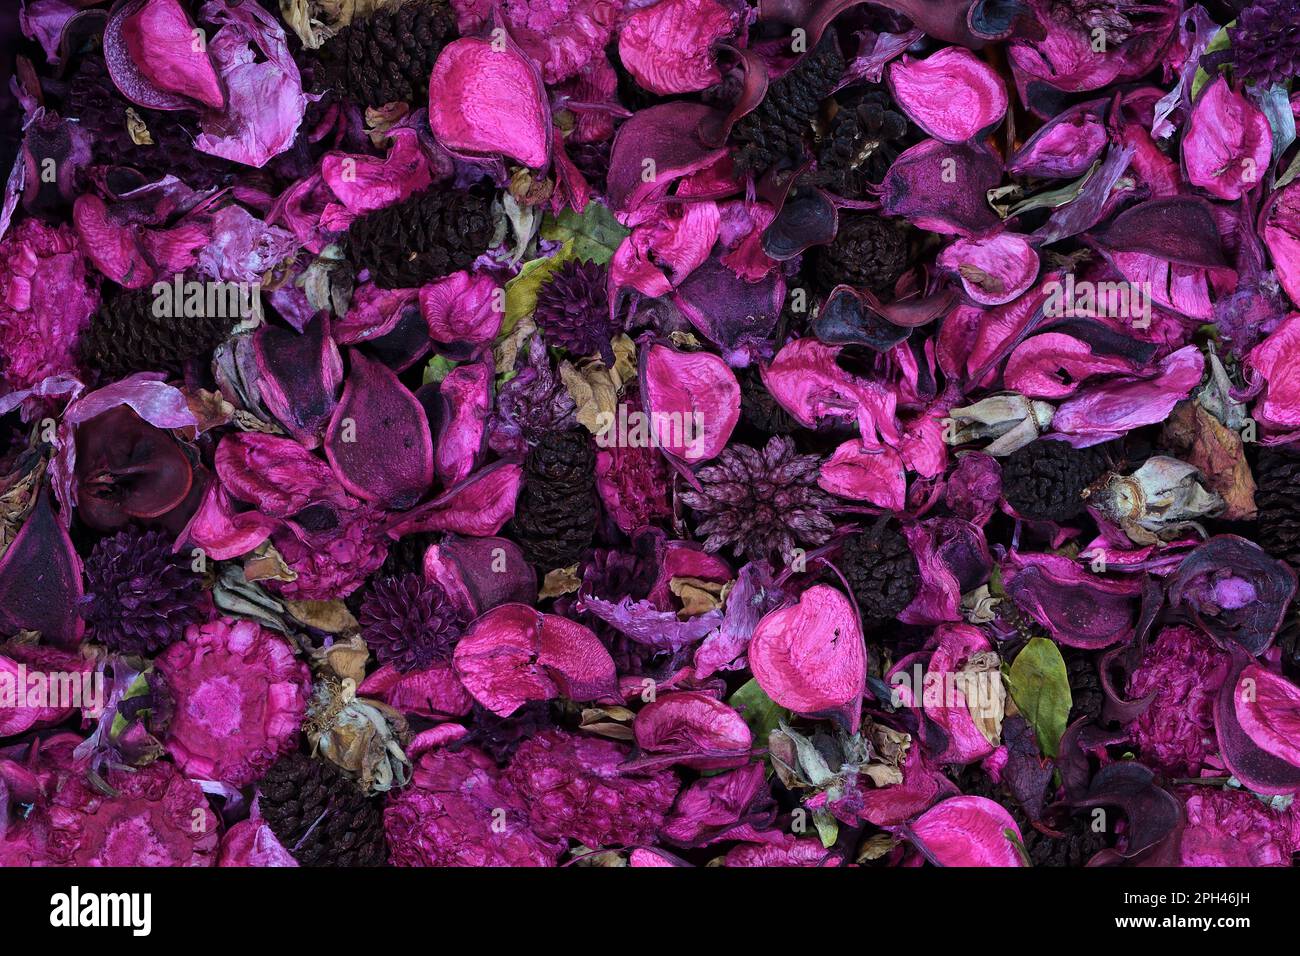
column 650, row 433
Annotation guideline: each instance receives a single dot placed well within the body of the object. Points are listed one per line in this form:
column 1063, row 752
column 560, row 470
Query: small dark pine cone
column 92, row 99
column 882, row 571
column 558, row 509
column 1085, row 684
column 125, row 336
column 573, row 310
column 868, row 251
column 320, row 816
column 420, row 239
column 409, row 622
column 592, row 160
column 760, row 409
column 1277, row 500
column 406, row 555
column 1045, row 479
column 388, row 56
column 773, row 134
column 140, row 596
column 862, row 142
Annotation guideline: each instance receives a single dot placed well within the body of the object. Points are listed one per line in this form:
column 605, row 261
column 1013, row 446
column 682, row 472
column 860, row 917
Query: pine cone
column 773, row 134
column 761, row 503
column 558, row 508
column 864, row 139
column 320, row 816
column 573, row 310
column 126, row 336
column 760, row 409
column 406, row 555
column 868, row 251
column 93, row 100
column 140, row 596
column 1277, row 499
column 420, row 239
column 388, row 56
column 592, row 160
column 1045, row 479
column 1085, row 684
column 882, row 571
column 409, row 622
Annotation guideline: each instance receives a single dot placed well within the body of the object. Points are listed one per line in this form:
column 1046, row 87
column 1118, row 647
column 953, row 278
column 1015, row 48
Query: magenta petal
column 811, row 658
column 1268, row 710
column 489, row 101
column 668, row 46
column 461, row 308
column 496, row 659
column 1281, row 235
column 992, row 269
column 40, row 579
column 466, row 398
column 1079, row 608
column 967, row 831
column 514, row 654
column 1277, row 361
column 151, row 54
column 1228, row 142
column 950, row 94
column 866, row 473
column 300, row 377
column 695, row 399
column 943, row 188
column 478, row 506
column 265, row 101
column 1257, row 768
column 434, row 691
column 692, row 730
column 378, row 441
column 1053, row 365
column 1065, row 146
column 479, row 574
column 663, row 135
column 576, row 659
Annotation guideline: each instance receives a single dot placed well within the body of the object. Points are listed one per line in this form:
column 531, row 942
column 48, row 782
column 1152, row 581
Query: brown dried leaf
column 560, row 581
column 1200, row 439
column 332, row 617
column 267, row 564
column 697, row 596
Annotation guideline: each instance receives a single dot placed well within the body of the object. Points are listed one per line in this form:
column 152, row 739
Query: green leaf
column 521, row 291
column 1016, row 842
column 438, row 368
column 761, row 712
column 595, row 234
column 828, row 827
column 1040, row 687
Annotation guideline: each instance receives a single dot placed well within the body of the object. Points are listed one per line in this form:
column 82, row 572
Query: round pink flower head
column 46, row 299
column 459, row 811
column 157, row 818
column 574, row 790
column 240, row 699
column 1184, row 669
column 1235, row 828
